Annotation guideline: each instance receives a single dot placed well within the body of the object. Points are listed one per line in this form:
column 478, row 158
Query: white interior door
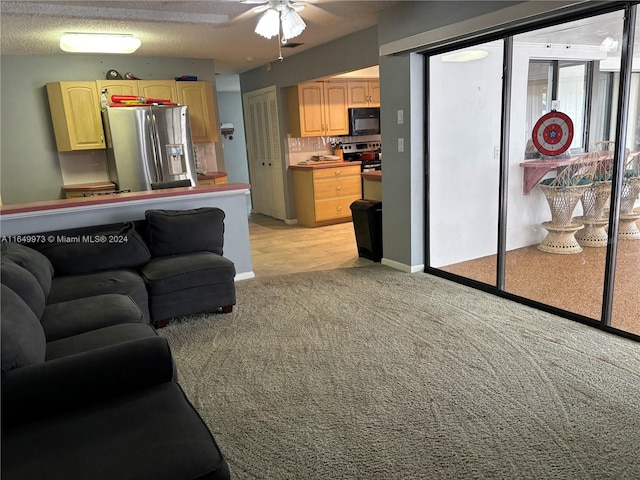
column 265, row 155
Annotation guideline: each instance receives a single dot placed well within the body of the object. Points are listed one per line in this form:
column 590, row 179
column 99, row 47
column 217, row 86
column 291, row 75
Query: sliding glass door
column 465, row 95
column 626, row 291
column 558, row 130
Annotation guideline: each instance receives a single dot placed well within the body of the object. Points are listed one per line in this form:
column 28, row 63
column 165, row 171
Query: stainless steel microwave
column 364, row 121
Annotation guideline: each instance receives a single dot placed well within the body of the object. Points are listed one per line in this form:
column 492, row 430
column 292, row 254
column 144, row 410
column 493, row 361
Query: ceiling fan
column 280, row 18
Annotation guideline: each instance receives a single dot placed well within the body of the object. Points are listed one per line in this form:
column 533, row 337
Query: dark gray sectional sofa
column 89, row 390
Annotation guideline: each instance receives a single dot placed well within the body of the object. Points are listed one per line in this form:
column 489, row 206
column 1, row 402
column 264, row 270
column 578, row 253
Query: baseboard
column 293, row 221
column 402, row 266
column 244, row 276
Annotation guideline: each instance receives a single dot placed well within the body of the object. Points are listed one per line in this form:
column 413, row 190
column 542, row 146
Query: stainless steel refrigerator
column 149, row 147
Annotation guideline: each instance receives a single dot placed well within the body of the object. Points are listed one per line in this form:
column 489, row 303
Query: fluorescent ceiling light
column 99, row 43
column 465, row 56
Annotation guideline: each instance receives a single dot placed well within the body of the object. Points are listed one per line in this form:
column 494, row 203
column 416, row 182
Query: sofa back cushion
column 23, row 342
column 95, row 249
column 174, row 232
column 32, row 260
column 24, row 284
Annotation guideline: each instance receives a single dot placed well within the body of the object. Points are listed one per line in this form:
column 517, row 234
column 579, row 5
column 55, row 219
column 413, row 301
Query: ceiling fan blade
column 260, row 8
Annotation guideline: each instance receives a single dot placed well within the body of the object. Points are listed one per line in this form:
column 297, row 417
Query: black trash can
column 367, row 223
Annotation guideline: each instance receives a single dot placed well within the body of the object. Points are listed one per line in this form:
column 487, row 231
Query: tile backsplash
column 301, row 149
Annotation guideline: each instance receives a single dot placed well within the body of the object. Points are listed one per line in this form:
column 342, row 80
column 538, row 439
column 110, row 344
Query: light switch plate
column 400, row 117
column 400, row 144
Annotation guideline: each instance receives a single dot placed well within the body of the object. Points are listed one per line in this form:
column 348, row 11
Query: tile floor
column 278, row 248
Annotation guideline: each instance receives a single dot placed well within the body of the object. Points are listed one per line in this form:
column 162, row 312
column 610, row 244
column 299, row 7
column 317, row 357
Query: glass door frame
column 630, row 12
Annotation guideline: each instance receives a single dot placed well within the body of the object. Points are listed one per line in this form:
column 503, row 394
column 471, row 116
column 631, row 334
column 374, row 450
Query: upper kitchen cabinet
column 198, row 96
column 364, row 93
column 165, row 89
column 75, row 113
column 118, row 87
column 319, row 108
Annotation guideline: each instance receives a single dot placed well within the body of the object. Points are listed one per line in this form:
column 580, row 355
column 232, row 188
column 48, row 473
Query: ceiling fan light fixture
column 292, row 23
column 269, row 24
column 99, row 43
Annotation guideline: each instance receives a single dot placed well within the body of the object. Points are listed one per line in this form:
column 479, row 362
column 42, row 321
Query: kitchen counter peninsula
column 51, row 215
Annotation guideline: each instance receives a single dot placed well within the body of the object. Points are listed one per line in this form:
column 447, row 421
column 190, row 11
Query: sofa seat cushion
column 124, row 282
column 22, row 339
column 186, row 284
column 32, row 260
column 98, row 338
column 73, row 317
column 22, row 282
column 169, row 274
column 153, row 433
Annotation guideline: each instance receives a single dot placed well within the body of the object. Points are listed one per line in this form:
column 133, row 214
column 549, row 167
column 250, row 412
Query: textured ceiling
column 218, row 29
column 222, row 30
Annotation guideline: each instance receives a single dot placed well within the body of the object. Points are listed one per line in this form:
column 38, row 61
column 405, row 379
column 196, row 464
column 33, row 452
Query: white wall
column 465, row 114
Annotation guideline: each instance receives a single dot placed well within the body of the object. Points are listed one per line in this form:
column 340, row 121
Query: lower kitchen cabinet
column 212, row 179
column 88, row 189
column 324, row 194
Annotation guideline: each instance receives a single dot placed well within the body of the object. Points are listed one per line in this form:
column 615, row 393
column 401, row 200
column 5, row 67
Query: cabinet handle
column 339, row 208
column 263, row 164
column 337, row 172
column 338, row 188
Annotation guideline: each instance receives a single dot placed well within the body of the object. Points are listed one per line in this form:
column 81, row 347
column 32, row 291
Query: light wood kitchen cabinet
column 118, row 87
column 199, row 97
column 213, row 179
column 165, row 89
column 75, row 113
column 87, row 189
column 319, row 108
column 324, row 195
column 364, row 93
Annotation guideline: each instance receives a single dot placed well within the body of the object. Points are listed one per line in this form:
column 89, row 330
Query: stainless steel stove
column 366, row 152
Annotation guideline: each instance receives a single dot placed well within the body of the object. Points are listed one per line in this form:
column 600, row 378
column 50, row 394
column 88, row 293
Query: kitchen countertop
column 211, row 175
column 319, row 165
column 148, row 195
column 79, row 187
column 376, row 175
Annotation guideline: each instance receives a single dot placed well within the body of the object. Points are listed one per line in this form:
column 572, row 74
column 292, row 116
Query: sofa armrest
column 69, row 382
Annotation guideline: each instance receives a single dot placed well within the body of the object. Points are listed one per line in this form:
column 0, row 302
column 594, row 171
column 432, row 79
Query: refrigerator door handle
column 155, row 144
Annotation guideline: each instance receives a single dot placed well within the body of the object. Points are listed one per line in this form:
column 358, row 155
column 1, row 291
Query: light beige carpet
column 370, row 373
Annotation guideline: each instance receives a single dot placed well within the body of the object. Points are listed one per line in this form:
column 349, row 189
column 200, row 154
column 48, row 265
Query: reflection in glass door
column 465, row 95
column 556, row 228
